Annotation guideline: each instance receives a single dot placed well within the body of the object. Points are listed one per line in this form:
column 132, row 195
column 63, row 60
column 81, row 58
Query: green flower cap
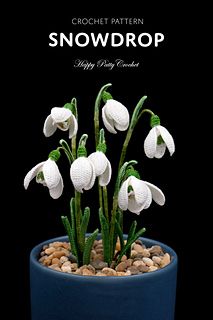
column 82, row 151
column 131, row 172
column 154, row 121
column 54, row 155
column 106, row 96
column 101, row 147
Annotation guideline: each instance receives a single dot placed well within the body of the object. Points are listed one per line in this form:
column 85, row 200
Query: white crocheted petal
column 139, row 189
column 49, row 126
column 99, row 161
column 167, row 138
column 157, row 194
column 133, row 206
column 60, row 114
column 123, row 195
column 160, row 150
column 150, row 143
column 32, row 173
column 81, row 172
column 148, row 199
column 73, row 127
column 109, row 123
column 93, row 177
column 118, row 112
column 105, row 178
column 56, row 192
column 51, row 173
column 121, row 127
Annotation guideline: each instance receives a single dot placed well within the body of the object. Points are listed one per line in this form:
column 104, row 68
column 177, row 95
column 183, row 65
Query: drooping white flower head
column 115, row 115
column 82, row 173
column 102, row 166
column 158, row 140
column 63, row 119
column 136, row 195
column 46, row 173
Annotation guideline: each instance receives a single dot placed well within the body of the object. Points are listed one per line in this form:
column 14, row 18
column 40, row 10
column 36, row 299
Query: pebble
column 148, row 261
column 57, row 256
column 156, row 259
column 138, row 248
column 165, row 260
column 156, row 250
column 152, row 268
column 138, row 263
column 66, row 269
column 118, row 246
column 49, row 250
column 121, row 266
column 99, row 265
column 133, row 270
column 56, row 261
column 109, row 272
column 63, row 259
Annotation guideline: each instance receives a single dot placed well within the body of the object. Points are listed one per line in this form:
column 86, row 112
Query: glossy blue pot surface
column 62, row 296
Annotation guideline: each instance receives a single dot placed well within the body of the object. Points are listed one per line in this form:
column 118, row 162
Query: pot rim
column 36, row 250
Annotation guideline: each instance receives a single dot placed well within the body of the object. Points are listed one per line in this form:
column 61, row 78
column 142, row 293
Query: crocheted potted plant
column 109, row 274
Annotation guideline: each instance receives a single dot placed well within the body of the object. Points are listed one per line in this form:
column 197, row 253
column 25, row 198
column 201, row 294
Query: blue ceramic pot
column 61, row 296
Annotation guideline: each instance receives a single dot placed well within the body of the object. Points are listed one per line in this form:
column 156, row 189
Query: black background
column 44, row 77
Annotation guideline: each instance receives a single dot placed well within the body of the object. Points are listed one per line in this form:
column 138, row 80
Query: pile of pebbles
column 57, row 256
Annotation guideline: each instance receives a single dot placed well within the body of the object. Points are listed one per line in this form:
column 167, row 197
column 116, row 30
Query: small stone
column 99, row 265
column 156, row 250
column 55, row 267
column 109, row 272
column 49, row 250
column 99, row 250
column 139, row 242
column 42, row 259
column 133, row 253
column 156, row 259
column 45, row 247
column 129, row 262
column 148, row 262
column 165, row 260
column 138, row 248
column 66, row 268
column 66, row 245
column 93, row 254
column 66, row 252
column 71, row 257
column 63, row 259
column 124, row 258
column 67, row 264
column 152, row 268
column 78, row 271
column 56, row 261
column 47, row 262
column 95, row 243
column 138, row 263
column 143, row 269
column 88, row 267
column 146, row 253
column 121, row 274
column 57, row 244
column 98, row 256
column 74, row 266
column 128, row 273
column 87, row 272
column 113, row 265
column 42, row 253
column 133, row 270
column 121, row 266
column 58, row 254
column 118, row 246
column 100, row 274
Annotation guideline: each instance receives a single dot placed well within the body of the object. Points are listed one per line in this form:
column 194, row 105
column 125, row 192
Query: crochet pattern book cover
column 139, row 54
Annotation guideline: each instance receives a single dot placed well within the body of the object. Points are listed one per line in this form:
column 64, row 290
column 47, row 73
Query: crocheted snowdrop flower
column 46, row 173
column 82, row 173
column 158, row 140
column 103, row 168
column 115, row 115
column 63, row 119
column 136, row 195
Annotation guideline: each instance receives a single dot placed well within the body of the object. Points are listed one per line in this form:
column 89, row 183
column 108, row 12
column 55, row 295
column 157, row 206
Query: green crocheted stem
column 106, row 96
column 82, row 151
column 54, row 155
column 154, row 121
